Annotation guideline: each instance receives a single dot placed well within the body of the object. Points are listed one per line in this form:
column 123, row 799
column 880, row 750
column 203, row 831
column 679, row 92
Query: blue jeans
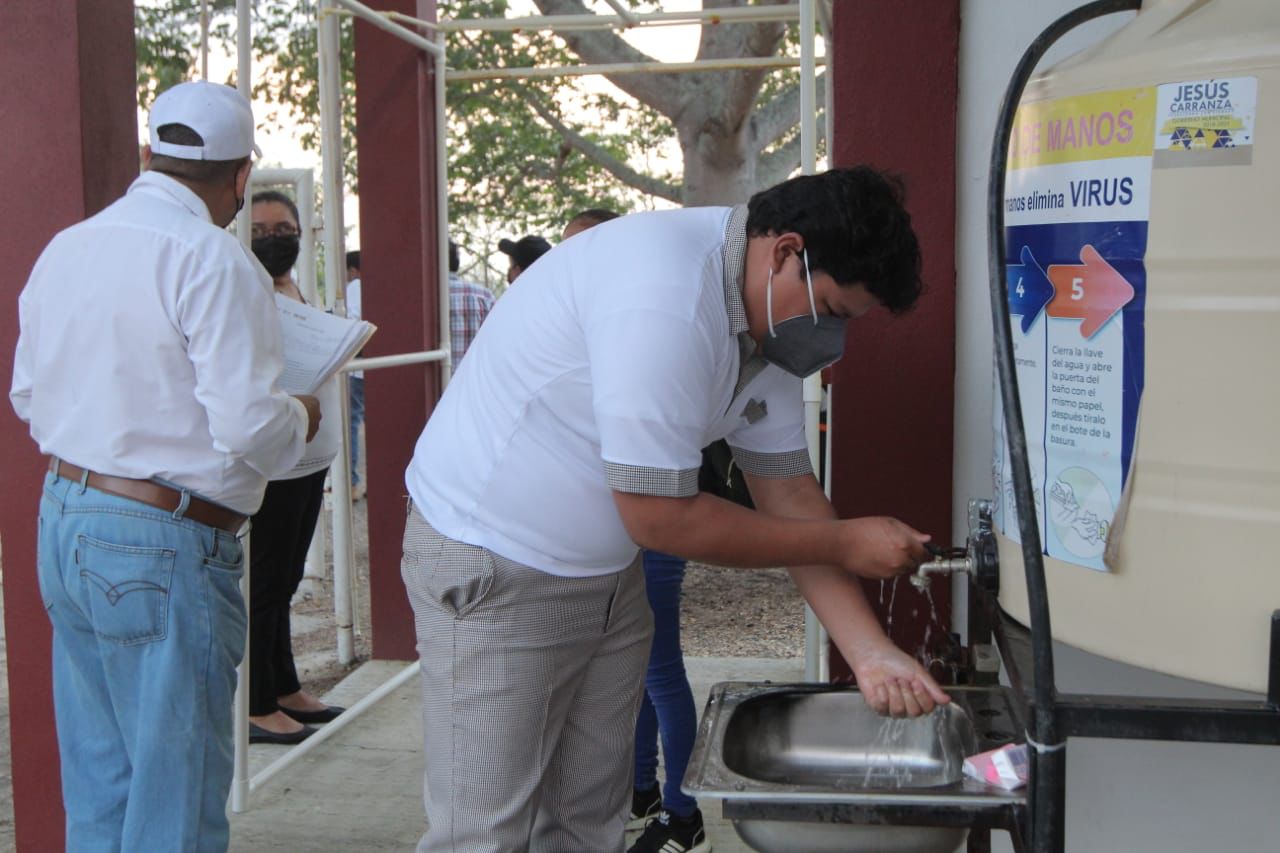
column 668, row 700
column 355, row 393
column 148, row 626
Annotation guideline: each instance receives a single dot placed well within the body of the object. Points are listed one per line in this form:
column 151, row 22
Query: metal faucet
column 978, row 557
column 947, row 562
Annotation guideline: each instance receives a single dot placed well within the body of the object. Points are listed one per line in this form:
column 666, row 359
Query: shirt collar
column 735, row 261
column 163, row 186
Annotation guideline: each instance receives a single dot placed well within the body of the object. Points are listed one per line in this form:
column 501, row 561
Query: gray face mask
column 802, row 345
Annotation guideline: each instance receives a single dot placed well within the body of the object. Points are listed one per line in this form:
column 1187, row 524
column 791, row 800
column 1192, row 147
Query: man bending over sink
column 572, row 435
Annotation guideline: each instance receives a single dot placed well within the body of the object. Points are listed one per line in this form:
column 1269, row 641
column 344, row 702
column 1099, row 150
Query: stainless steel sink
column 813, row 768
column 835, row 740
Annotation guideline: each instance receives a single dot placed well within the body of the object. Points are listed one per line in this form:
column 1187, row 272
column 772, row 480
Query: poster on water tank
column 1077, row 205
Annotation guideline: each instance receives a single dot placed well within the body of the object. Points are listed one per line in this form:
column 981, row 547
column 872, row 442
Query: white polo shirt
column 609, row 365
column 149, row 347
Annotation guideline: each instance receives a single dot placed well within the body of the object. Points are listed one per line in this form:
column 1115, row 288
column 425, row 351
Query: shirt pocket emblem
column 755, row 410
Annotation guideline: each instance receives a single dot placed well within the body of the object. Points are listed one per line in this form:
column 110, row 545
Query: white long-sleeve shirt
column 149, row 347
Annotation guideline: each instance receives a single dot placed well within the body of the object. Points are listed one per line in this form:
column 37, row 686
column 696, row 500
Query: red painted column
column 894, row 70
column 395, row 143
column 68, row 147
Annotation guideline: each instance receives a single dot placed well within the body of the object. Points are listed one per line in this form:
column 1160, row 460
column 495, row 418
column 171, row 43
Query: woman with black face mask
column 279, row 709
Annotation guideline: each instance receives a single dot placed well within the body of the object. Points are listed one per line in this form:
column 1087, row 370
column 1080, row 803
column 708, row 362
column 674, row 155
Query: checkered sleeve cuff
column 659, row 482
column 793, row 463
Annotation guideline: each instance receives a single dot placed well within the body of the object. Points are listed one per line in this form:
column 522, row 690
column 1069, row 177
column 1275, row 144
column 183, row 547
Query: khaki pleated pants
column 531, row 684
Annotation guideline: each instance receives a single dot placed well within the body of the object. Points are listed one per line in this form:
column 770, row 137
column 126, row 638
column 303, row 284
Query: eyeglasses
column 281, row 230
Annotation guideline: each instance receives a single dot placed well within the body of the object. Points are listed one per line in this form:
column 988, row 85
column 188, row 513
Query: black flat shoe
column 257, row 734
column 328, row 715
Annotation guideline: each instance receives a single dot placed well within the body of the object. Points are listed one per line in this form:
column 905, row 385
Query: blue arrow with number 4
column 1029, row 289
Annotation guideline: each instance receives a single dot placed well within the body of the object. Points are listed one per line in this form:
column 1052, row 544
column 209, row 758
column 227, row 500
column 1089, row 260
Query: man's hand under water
column 893, row 682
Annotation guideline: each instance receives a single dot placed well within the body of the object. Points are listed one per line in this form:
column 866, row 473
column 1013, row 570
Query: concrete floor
column 362, row 790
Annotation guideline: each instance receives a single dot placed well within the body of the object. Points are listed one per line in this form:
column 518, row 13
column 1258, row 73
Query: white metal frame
column 332, row 184
column 303, row 183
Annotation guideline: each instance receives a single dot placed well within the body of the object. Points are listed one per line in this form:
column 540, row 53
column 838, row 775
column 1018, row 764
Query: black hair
column 353, row 260
column 268, row 196
column 197, row 171
column 455, row 260
column 593, row 216
column 855, row 229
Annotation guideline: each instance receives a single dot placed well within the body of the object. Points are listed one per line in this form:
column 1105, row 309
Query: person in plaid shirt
column 469, row 304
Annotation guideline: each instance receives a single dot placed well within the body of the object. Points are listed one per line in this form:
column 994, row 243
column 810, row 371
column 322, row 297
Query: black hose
column 1048, row 765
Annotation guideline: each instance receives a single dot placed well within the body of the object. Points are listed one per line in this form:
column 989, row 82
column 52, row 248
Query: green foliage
column 168, row 40
column 504, row 159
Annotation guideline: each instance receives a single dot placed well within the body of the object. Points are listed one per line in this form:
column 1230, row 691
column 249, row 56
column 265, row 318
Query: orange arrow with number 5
column 1092, row 291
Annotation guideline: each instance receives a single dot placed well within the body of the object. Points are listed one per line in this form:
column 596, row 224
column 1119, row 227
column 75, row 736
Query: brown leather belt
column 153, row 494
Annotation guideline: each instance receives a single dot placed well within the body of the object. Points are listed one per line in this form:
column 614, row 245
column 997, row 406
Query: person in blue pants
column 671, row 819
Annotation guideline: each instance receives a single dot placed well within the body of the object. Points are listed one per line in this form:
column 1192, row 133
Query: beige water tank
column 1143, row 222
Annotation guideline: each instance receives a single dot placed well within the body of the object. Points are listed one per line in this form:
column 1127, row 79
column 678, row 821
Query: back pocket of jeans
column 127, row 589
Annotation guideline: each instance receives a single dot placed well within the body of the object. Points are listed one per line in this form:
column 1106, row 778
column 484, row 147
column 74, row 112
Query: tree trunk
column 719, row 164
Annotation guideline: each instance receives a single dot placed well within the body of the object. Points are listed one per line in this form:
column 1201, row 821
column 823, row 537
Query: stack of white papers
column 316, row 344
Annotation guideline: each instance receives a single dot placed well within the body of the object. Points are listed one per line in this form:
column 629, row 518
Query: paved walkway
column 362, row 790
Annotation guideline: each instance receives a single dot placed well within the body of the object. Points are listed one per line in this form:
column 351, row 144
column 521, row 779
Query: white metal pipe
column 244, row 44
column 315, row 567
column 630, row 68
column 303, row 183
column 244, row 85
column 204, row 39
column 329, row 730
column 291, row 177
column 828, row 109
column 240, row 704
column 396, row 360
column 808, row 90
column 812, row 416
column 813, row 633
column 564, row 23
column 444, row 310
column 812, row 627
column 628, row 17
column 328, row 41
column 382, row 22
column 307, row 224
column 409, row 19
column 824, row 646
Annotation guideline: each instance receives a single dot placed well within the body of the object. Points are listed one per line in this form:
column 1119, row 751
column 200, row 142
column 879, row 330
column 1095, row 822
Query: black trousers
column 281, row 533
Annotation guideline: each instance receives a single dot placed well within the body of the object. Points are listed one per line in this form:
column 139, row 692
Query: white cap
column 220, row 114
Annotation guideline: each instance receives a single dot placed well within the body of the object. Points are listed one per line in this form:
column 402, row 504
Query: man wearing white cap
column 147, row 367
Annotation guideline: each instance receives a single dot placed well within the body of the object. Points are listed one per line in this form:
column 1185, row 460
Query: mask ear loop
column 768, row 302
column 813, row 309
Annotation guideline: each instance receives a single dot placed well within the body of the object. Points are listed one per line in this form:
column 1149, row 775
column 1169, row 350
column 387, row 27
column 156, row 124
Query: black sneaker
column 670, row 834
column 645, row 806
